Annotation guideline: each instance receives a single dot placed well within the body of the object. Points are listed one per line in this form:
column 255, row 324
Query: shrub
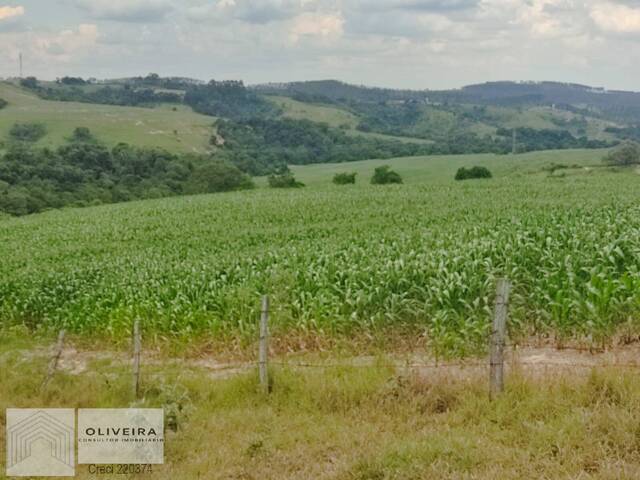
column 473, row 172
column 219, row 176
column 82, row 135
column 286, row 180
column 3, row 103
column 626, row 154
column 384, row 175
column 28, row 132
column 29, row 82
column 344, row 178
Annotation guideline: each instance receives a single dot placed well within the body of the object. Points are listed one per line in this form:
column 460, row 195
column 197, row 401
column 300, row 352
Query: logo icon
column 40, row 442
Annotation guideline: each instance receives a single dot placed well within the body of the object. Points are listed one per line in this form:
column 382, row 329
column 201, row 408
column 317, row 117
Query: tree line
column 263, row 146
column 124, row 95
column 85, row 172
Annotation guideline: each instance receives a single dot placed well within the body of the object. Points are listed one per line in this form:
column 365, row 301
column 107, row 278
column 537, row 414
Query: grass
column 177, row 131
column 440, row 169
column 348, row 423
column 332, row 116
column 338, row 260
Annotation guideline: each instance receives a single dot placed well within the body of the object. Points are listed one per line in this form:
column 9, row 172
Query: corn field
column 335, row 259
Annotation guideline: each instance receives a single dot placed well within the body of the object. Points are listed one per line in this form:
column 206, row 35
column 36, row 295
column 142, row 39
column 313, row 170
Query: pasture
column 178, row 131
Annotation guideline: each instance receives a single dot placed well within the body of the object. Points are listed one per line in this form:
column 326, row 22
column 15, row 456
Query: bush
column 3, row 103
column 286, row 180
column 219, row 176
column 28, row 132
column 29, row 82
column 344, row 178
column 82, row 135
column 473, row 172
column 384, row 176
column 626, row 154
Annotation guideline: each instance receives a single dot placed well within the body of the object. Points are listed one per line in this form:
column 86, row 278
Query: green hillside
column 181, row 130
column 334, row 116
column 440, row 169
column 436, row 116
column 423, row 255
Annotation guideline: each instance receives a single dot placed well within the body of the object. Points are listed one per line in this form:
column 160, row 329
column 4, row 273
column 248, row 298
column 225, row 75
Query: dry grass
column 360, row 422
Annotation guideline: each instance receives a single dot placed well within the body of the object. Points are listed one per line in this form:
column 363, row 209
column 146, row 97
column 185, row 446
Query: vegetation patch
column 27, row 132
column 87, row 173
column 229, row 99
column 285, row 180
column 345, row 178
column 464, row 173
column 263, row 146
column 625, row 155
column 384, row 175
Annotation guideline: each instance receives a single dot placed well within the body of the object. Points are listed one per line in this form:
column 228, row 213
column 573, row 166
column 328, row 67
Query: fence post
column 264, row 344
column 136, row 358
column 53, row 364
column 496, row 374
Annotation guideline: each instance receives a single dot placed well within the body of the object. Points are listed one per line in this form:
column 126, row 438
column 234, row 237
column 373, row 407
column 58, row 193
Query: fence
column 495, row 365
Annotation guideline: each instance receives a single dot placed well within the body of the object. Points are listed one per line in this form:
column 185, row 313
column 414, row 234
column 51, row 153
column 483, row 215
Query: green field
column 423, row 255
column 177, row 131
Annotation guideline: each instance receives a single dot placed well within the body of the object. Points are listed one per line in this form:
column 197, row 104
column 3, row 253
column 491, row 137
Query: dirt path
column 527, row 360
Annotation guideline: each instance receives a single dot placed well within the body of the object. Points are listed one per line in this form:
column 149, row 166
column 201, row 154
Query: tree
column 286, row 180
column 473, row 172
column 384, row 175
column 344, row 178
column 29, row 82
column 72, row 81
column 624, row 155
column 28, row 132
column 82, row 135
column 219, row 176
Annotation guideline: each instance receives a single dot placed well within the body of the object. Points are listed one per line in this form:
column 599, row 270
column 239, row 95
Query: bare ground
column 529, row 361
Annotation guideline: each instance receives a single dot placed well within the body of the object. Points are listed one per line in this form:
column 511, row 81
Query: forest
column 87, row 173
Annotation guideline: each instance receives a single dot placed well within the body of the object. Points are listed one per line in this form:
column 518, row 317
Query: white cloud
column 411, row 43
column 50, row 48
column 317, row 25
column 616, row 18
column 126, row 10
column 10, row 12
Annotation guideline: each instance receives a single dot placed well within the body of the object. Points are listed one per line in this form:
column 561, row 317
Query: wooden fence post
column 136, row 358
column 53, row 364
column 264, row 345
column 496, row 374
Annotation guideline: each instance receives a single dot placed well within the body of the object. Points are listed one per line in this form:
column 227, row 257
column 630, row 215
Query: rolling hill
column 179, row 130
column 476, row 110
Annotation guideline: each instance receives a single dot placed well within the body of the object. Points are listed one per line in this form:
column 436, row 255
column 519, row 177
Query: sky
column 418, row 44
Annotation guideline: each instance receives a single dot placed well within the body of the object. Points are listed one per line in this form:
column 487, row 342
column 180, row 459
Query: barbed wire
column 589, row 349
column 455, row 365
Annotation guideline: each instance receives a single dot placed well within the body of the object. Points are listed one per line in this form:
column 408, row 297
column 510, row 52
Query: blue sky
column 400, row 43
